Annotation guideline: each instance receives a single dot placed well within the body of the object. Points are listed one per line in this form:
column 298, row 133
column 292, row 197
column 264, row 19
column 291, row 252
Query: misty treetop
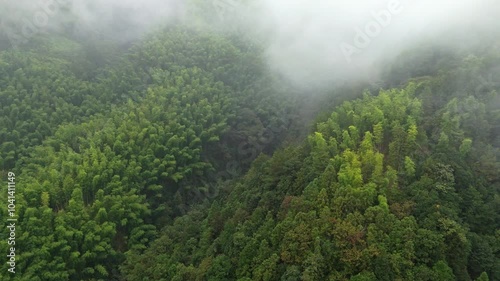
column 112, row 154
column 218, row 147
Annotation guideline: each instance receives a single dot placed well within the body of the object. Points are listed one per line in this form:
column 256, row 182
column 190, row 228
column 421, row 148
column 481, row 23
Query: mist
column 320, row 41
column 119, row 21
column 314, row 42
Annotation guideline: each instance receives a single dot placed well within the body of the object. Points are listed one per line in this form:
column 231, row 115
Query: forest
column 185, row 155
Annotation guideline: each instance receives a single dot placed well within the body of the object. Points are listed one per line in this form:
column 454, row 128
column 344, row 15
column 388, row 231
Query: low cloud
column 312, row 42
column 316, row 41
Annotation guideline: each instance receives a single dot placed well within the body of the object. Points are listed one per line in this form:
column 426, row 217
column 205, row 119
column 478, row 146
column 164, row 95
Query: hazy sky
column 307, row 40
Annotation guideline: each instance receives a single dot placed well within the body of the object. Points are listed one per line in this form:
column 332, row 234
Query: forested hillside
column 109, row 155
column 184, row 156
column 398, row 185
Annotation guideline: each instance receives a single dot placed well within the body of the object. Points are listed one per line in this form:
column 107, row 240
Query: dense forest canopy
column 234, row 140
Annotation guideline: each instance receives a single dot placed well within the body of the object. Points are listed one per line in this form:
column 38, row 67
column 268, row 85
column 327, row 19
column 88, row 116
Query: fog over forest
column 250, row 140
column 310, row 42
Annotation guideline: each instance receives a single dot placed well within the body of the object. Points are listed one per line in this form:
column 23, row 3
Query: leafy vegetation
column 385, row 189
column 182, row 158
